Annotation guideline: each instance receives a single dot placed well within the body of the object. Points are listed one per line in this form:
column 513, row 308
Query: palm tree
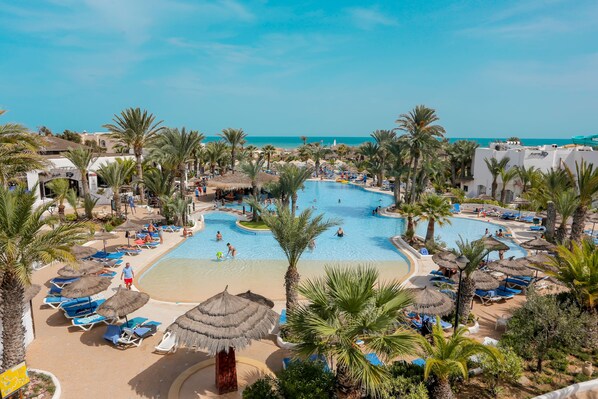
column 253, row 169
column 25, row 239
column 421, row 135
column 565, row 203
column 577, row 269
column 586, row 184
column 303, row 139
column 60, row 188
column 216, row 155
column 135, row 129
column 526, row 176
column 268, row 150
column 345, row 306
column 115, row 175
column 371, row 153
column 461, row 153
column 398, row 166
column 384, row 138
column 446, row 358
column 82, row 158
column 294, row 235
column 412, row 212
column 159, row 182
column 235, row 138
column 506, row 176
column 317, row 153
column 435, row 209
column 292, row 179
column 475, row 252
column 495, row 167
column 174, row 148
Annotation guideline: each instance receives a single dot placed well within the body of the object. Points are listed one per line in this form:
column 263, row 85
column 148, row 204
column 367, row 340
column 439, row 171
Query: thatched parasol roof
column 30, row 292
column 520, row 201
column 429, row 301
column 122, row 303
column 81, row 269
column 239, row 180
column 252, row 296
column 445, row 259
column 482, row 280
column 128, row 225
column 492, row 244
column 511, row 266
column 223, row 321
column 86, row 286
column 82, row 252
column 538, row 244
column 485, row 197
column 104, row 236
column 541, row 261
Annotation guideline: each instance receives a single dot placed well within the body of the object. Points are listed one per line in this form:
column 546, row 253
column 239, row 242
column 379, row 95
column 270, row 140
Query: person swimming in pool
column 340, row 232
column 232, row 251
column 218, row 236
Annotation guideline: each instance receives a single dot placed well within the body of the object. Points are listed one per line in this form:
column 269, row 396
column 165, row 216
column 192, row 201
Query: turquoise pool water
column 260, row 260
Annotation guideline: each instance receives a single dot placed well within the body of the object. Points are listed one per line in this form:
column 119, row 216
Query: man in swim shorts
column 232, row 251
column 340, row 232
column 128, row 275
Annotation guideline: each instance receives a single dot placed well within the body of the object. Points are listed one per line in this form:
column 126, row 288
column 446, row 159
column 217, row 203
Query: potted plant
column 284, row 338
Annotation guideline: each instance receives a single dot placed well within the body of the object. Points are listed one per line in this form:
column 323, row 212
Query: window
column 465, row 188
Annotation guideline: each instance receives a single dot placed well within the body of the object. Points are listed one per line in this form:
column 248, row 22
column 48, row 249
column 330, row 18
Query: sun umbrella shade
column 104, row 236
column 30, row 292
column 86, row 286
column 492, row 244
column 81, row 269
column 511, row 267
column 482, row 280
column 240, row 180
column 223, row 321
column 445, row 259
column 128, row 225
column 429, row 301
column 122, row 303
column 252, row 296
column 538, row 244
column 81, row 252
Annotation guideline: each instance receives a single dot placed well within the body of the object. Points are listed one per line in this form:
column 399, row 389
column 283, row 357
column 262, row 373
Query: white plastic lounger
column 168, row 343
column 87, row 323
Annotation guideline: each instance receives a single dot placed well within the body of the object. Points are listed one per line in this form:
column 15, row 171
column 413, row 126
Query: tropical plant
column 82, row 158
column 173, row 148
column 306, row 380
column 25, row 239
column 508, row 368
column 235, row 138
column 421, row 138
column 461, row 154
column 268, row 150
column 577, row 269
column 495, row 167
column 292, row 179
column 565, row 203
column 347, row 305
column 115, row 174
column 586, row 184
column 253, row 169
column 175, row 209
column 264, row 388
column 447, row 358
column 412, row 212
column 435, row 209
column 294, row 234
column 526, row 176
column 135, row 129
column 216, row 155
column 506, row 175
column 88, row 204
column 406, row 382
column 303, row 139
column 73, row 201
column 60, row 191
column 317, row 153
column 475, row 252
column 397, row 167
column 384, row 138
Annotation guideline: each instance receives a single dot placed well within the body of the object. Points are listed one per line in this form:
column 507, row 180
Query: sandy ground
column 90, row 367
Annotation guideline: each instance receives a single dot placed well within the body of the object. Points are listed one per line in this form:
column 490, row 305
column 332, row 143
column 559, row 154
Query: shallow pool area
column 190, row 272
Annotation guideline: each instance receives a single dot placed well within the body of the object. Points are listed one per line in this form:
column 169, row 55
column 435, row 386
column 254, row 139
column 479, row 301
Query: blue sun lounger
column 437, row 273
column 488, row 297
column 64, row 302
column 283, row 317
column 83, row 310
column 61, row 282
column 87, row 323
column 507, row 292
column 54, row 291
column 419, row 362
column 515, row 282
column 373, row 359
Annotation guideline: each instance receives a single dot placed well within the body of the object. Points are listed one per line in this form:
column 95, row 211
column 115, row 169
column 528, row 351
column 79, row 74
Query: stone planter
column 587, row 369
column 284, row 344
column 475, row 328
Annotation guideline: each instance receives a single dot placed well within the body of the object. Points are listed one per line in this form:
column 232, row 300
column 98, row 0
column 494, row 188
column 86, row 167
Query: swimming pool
column 190, row 272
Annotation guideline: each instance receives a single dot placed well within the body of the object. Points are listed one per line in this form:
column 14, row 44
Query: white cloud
column 369, row 18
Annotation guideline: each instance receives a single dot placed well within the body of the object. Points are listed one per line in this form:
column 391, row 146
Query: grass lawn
column 254, row 225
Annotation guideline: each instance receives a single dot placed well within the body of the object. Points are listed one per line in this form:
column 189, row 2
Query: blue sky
column 490, row 69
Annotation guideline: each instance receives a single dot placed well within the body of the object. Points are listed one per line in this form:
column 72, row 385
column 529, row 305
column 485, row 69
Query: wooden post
column 226, row 372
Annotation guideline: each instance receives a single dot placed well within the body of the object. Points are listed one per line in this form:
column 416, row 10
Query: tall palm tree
column 435, row 209
column 371, row 153
column 446, row 358
column 60, row 189
column 268, row 150
column 216, row 155
column 235, row 138
column 506, row 176
column 421, row 135
column 397, row 166
column 25, row 239
column 317, row 153
column 174, row 147
column 526, row 176
column 565, row 203
column 303, row 139
column 294, row 235
column 412, row 212
column 495, row 167
column 461, row 153
column 345, row 306
column 159, row 182
column 253, row 169
column 115, row 174
column 384, row 138
column 135, row 129
column 577, row 269
column 82, row 158
column 292, row 179
column 475, row 252
column 586, row 184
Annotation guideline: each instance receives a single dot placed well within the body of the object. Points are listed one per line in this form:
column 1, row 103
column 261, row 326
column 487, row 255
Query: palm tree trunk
column 410, row 226
column 503, row 194
column 346, row 385
column 494, row 187
column 293, row 203
column 13, row 331
column 550, row 220
column 442, row 390
column 182, row 185
column 467, row 292
column 579, row 220
column 412, row 195
column 407, row 181
column 561, row 233
column 85, row 183
column 61, row 211
column 233, row 154
column 116, row 197
column 397, row 191
column 317, row 168
column 430, row 231
column 140, row 178
column 268, row 166
column 291, row 282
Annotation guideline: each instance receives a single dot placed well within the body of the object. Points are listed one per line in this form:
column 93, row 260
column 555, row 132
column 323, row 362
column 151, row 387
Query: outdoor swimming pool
column 190, row 272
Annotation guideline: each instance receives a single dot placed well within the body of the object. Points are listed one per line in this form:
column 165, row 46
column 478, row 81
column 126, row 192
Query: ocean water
column 295, row 141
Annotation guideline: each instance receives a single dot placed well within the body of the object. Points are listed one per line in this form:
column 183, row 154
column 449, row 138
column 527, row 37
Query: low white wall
column 588, row 386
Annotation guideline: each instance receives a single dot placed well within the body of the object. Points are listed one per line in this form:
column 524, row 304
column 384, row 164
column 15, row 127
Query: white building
column 542, row 157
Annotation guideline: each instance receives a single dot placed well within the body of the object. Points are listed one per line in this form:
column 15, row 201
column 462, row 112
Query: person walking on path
column 128, row 275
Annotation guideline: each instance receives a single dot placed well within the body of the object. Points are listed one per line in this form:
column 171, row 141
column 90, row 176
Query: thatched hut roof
column 223, row 321
column 445, row 259
column 239, row 180
column 538, row 244
column 481, row 280
column 104, row 235
column 252, row 296
column 122, row 303
column 511, row 266
column 128, row 225
column 429, row 301
column 86, row 286
column 81, row 252
column 80, row 269
column 492, row 244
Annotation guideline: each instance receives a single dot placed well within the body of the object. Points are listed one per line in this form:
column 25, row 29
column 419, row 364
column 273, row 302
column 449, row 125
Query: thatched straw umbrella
column 252, row 296
column 482, row 280
column 445, row 259
column 222, row 324
column 128, row 225
column 86, row 286
column 81, row 269
column 82, row 252
column 122, row 303
column 431, row 302
column 510, row 267
column 492, row 244
column 239, row 181
column 30, row 292
column 104, row 236
column 538, row 244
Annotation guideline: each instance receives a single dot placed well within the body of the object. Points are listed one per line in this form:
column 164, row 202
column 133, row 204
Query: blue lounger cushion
column 373, row 359
column 505, row 293
column 82, row 310
column 112, row 333
column 134, row 322
column 518, row 282
column 419, row 362
column 70, row 302
column 283, row 317
column 84, row 321
column 437, row 273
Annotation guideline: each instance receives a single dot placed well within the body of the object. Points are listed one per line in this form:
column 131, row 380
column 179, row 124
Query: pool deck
column 88, row 366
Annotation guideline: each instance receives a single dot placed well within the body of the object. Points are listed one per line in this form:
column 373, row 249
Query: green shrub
column 508, row 368
column 558, row 360
column 306, row 380
column 70, row 217
column 404, row 388
column 481, row 201
column 261, row 389
column 108, row 227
